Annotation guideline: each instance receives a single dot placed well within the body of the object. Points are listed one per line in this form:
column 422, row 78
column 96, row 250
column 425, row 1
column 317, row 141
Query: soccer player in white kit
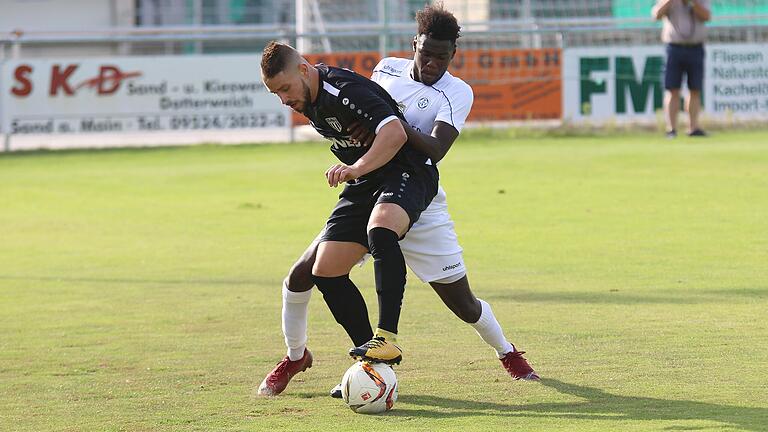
column 435, row 105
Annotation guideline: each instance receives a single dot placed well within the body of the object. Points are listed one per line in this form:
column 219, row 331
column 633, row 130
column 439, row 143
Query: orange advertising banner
column 510, row 84
column 514, row 84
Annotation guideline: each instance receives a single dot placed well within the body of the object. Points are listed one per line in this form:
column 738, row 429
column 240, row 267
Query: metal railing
column 379, row 36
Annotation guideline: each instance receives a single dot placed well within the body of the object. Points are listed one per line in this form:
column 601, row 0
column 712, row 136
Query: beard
column 307, row 96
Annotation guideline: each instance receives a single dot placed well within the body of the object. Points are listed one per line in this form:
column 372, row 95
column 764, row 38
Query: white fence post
column 301, row 27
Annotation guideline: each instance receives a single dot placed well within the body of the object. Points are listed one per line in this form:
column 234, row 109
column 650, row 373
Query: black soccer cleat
column 336, row 392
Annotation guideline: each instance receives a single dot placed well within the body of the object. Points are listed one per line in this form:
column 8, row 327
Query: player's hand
column 361, row 134
column 340, row 173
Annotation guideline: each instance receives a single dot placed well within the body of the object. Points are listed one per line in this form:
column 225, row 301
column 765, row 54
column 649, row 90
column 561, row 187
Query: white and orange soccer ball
column 369, row 388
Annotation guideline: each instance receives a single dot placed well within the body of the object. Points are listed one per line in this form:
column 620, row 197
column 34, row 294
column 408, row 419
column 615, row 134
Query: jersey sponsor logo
column 452, row 266
column 342, row 143
column 388, row 194
column 389, row 68
column 334, row 123
column 423, row 103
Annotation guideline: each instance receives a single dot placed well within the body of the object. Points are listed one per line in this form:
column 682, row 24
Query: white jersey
column 431, row 248
column 448, row 100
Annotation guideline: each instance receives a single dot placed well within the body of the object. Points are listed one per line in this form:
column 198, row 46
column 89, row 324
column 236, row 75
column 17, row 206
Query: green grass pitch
column 140, row 289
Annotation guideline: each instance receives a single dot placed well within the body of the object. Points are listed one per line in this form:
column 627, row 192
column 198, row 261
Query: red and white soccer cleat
column 277, row 380
column 518, row 366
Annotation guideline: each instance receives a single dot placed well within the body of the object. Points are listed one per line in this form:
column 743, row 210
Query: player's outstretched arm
column 387, row 143
column 437, row 144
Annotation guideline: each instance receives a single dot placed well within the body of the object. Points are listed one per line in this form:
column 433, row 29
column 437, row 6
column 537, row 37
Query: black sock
column 347, row 306
column 389, row 269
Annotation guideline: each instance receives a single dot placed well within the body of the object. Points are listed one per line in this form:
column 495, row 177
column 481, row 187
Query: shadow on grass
column 597, row 405
column 622, row 298
column 133, row 281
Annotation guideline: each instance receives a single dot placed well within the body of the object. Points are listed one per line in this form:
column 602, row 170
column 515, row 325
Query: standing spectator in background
column 684, row 33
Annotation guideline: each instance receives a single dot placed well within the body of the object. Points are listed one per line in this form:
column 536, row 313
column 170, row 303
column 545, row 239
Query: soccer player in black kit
column 388, row 185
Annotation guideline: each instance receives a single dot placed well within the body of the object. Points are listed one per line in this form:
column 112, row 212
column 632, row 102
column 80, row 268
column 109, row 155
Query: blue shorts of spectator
column 688, row 59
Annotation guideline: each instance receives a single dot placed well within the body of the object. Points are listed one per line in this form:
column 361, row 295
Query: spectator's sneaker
column 336, row 391
column 277, row 380
column 378, row 350
column 518, row 367
column 671, row 134
column 697, row 133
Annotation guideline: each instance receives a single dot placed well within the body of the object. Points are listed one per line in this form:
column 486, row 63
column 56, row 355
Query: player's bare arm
column 387, row 143
column 435, row 146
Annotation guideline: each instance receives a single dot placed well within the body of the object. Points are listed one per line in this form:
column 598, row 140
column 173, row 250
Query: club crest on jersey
column 334, row 123
column 423, row 103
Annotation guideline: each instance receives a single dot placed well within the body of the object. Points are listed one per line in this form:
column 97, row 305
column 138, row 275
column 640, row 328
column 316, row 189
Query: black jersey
column 345, row 97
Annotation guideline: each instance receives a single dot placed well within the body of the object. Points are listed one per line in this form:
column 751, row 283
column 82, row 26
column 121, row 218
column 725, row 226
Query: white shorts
column 431, row 247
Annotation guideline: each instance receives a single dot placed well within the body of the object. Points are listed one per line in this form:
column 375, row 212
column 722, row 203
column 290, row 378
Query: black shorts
column 411, row 189
column 684, row 59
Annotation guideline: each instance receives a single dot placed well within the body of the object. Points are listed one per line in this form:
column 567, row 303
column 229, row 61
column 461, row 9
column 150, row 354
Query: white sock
column 490, row 330
column 295, row 317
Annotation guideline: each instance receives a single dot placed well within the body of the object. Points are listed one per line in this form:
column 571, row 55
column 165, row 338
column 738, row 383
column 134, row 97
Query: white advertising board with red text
column 137, row 95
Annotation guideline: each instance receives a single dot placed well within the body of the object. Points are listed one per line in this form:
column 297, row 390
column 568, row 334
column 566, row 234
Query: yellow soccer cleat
column 378, row 350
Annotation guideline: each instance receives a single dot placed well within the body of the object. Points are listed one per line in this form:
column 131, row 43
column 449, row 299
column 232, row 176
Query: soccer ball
column 369, row 388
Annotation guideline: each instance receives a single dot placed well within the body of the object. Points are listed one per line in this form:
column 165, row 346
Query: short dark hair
column 438, row 23
column 276, row 57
